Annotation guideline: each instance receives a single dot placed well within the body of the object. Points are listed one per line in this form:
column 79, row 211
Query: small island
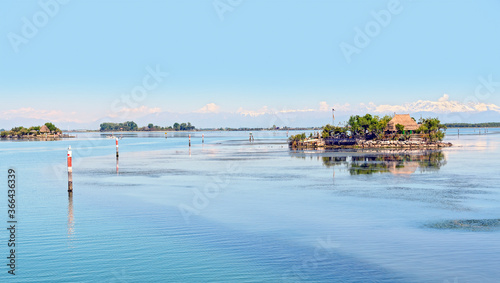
column 131, row 126
column 399, row 131
column 48, row 131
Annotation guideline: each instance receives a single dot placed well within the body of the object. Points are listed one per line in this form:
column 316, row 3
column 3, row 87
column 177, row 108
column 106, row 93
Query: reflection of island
column 401, row 162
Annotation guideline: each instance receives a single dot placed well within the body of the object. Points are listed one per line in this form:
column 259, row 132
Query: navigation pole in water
column 117, row 148
column 70, row 170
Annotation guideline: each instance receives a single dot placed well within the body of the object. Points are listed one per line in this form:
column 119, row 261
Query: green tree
column 353, row 124
column 381, row 125
column 400, row 128
column 298, row 137
column 365, row 122
column 432, row 127
column 130, row 126
column 51, row 127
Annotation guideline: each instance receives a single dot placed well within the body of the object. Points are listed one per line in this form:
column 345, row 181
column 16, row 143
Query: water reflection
column 398, row 162
column 467, row 224
column 71, row 221
column 117, row 167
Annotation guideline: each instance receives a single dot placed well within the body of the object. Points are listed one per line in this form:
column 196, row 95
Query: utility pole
column 333, row 117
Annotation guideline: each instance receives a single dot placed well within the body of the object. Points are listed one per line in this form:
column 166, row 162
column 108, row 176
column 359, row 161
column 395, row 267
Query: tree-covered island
column 374, row 131
column 132, row 126
column 46, row 131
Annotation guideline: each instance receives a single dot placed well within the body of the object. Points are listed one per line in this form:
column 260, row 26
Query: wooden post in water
column 117, row 148
column 70, row 170
column 250, row 137
column 202, row 138
column 189, row 140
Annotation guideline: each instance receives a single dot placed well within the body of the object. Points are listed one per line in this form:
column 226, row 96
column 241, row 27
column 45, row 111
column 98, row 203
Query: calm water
column 234, row 211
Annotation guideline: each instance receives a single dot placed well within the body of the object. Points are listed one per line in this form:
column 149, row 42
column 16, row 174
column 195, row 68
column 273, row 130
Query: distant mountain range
column 210, row 116
column 237, row 120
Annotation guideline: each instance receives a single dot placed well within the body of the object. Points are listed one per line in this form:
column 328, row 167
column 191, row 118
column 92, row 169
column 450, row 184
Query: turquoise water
column 233, row 211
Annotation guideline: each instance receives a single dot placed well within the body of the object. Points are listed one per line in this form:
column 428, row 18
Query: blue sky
column 261, row 54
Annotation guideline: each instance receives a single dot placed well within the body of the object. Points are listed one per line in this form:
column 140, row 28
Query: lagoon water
column 233, row 211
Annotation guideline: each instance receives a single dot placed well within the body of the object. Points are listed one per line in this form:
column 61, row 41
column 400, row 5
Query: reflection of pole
column 117, row 166
column 71, row 222
column 70, row 170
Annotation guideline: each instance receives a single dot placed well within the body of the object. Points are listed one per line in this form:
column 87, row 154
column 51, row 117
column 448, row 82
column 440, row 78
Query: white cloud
column 261, row 111
column 135, row 112
column 444, row 98
column 323, row 106
column 297, row 110
column 209, row 108
column 266, row 110
column 31, row 113
column 442, row 105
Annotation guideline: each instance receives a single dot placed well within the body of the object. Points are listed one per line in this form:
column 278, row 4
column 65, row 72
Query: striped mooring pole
column 202, row 138
column 70, row 170
column 190, row 140
column 117, row 148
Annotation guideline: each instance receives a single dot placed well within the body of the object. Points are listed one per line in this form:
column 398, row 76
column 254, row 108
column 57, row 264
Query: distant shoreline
column 475, row 125
column 38, row 138
column 202, row 130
